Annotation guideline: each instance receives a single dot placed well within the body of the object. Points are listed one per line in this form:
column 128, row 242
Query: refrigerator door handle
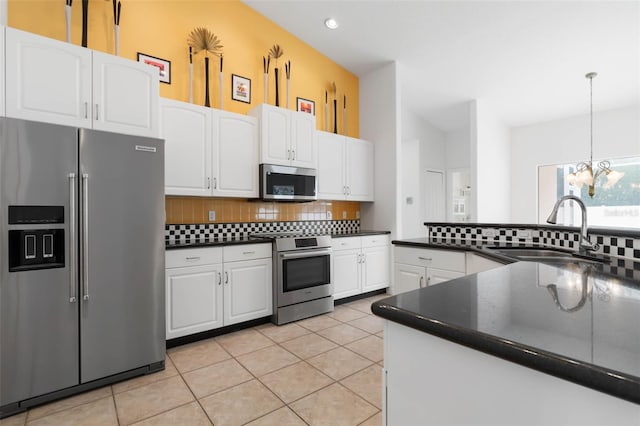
column 85, row 236
column 72, row 237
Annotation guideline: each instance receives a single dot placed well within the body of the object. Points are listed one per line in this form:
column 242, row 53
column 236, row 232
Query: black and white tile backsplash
column 624, row 246
column 233, row 231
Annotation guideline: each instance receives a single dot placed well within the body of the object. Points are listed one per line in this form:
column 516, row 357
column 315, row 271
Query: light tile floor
column 325, row 370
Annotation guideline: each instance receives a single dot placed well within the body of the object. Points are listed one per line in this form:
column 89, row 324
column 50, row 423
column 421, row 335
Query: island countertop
column 572, row 321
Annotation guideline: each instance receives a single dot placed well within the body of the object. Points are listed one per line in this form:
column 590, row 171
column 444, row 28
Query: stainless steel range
column 301, row 276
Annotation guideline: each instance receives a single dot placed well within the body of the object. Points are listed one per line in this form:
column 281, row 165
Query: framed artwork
column 164, row 66
column 305, row 105
column 240, row 89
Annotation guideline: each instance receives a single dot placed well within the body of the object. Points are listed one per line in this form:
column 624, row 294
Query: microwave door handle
column 305, row 253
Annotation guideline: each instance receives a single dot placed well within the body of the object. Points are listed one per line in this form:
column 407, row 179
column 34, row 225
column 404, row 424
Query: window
column 617, row 206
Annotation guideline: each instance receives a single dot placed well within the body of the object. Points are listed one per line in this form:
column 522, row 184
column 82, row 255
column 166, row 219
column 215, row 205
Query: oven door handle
column 304, row 253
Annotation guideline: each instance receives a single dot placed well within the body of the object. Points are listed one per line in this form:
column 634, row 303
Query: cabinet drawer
column 346, row 243
column 375, row 240
column 193, row 257
column 442, row 259
column 247, row 252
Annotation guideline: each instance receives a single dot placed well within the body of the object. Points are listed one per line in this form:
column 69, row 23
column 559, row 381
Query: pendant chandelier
column 584, row 174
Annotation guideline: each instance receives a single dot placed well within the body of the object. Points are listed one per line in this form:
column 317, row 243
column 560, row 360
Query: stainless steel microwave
column 286, row 183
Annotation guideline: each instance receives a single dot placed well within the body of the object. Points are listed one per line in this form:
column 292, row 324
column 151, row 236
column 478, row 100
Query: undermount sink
column 545, row 255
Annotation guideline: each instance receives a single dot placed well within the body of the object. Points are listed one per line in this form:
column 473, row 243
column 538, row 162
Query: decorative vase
column 266, row 88
column 67, row 15
column 207, row 102
column 85, row 19
column 277, row 94
column 335, row 116
column 116, row 31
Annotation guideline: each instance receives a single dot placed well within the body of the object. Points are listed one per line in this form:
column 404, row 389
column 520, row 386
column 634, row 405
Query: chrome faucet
column 585, row 244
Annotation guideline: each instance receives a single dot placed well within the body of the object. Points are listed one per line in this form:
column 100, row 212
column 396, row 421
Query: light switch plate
column 212, row 215
column 489, row 233
column 329, row 216
column 344, row 214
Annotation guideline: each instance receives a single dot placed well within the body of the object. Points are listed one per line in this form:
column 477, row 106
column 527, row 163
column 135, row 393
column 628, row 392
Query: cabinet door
column 275, row 136
column 47, row 80
column 194, row 299
column 437, row 276
column 235, row 155
column 331, row 166
column 359, row 169
column 125, row 96
column 375, row 268
column 407, row 277
column 303, row 128
column 346, row 273
column 248, row 293
column 186, row 129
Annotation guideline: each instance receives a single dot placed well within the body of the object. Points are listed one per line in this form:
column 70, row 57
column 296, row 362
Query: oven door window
column 305, row 272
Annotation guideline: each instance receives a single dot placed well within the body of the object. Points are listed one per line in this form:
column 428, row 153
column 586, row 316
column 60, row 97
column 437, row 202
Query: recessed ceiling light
column 331, row 23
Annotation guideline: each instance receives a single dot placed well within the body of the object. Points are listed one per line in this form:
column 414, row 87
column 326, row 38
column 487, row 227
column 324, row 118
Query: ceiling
column 525, row 60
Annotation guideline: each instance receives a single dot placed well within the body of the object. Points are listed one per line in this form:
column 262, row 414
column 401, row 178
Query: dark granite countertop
column 213, row 243
column 361, row 233
column 585, row 329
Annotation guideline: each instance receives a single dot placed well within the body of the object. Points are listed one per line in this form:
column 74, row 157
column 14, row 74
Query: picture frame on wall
column 240, row 89
column 163, row 65
column 306, row 105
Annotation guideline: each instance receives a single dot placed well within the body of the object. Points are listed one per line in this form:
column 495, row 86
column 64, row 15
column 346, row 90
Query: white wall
column 616, row 133
column 3, row 12
column 380, row 124
column 423, row 148
column 490, row 166
column 457, row 146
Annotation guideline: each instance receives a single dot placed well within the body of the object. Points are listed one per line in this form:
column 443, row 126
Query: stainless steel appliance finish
column 285, row 183
column 302, row 277
column 98, row 311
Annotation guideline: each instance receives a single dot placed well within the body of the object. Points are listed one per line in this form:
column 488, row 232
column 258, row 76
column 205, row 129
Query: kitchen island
column 525, row 343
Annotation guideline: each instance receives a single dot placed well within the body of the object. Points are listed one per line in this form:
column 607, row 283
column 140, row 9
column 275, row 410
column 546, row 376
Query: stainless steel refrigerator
column 81, row 260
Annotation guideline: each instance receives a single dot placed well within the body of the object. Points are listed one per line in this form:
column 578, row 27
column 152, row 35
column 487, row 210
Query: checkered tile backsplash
column 619, row 246
column 235, row 231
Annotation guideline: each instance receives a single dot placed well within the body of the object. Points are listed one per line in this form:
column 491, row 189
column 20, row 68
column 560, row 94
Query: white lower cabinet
column 360, row 265
column 207, row 288
column 416, row 267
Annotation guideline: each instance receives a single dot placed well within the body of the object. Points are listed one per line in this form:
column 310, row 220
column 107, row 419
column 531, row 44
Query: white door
column 47, row 80
column 359, row 169
column 437, row 276
column 331, row 166
column 247, row 290
column 407, row 277
column 375, row 268
column 275, row 136
column 194, row 299
column 235, row 155
column 125, row 96
column 303, row 127
column 434, row 197
column 186, row 129
column 346, row 273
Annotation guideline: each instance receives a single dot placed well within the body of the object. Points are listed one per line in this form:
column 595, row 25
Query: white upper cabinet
column 47, row 80
column 208, row 152
column 186, row 129
column 2, row 102
column 235, row 154
column 345, row 168
column 286, row 137
column 52, row 81
column 125, row 96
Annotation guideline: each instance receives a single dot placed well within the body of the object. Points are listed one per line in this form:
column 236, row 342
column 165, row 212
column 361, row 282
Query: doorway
column 434, row 196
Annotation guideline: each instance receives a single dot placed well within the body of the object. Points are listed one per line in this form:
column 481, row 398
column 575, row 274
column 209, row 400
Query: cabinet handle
column 288, row 154
column 348, row 190
column 248, row 252
column 96, row 111
column 192, row 258
column 364, row 258
column 86, row 110
column 344, row 190
column 425, row 258
column 219, row 278
column 421, row 281
column 208, row 183
column 428, row 280
column 293, row 154
column 215, row 183
column 226, row 277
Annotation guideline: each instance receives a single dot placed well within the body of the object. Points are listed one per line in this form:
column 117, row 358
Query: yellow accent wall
column 160, row 28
